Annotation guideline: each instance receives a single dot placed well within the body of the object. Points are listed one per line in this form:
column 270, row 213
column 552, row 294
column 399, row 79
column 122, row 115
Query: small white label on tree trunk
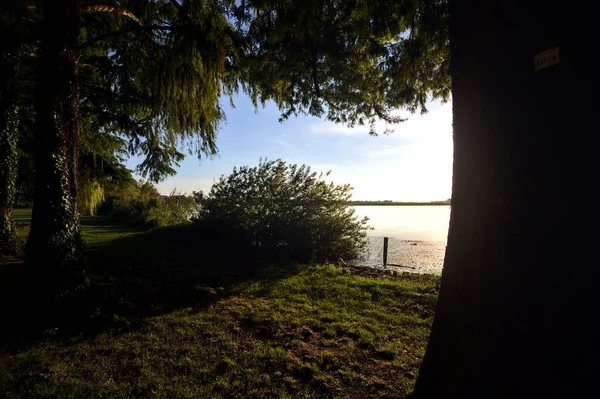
column 546, row 59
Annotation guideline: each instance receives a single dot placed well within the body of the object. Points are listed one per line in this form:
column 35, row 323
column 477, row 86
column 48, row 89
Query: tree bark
column 55, row 246
column 517, row 291
column 8, row 160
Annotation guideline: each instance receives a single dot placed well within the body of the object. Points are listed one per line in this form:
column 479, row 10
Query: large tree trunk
column 55, row 246
column 8, row 159
column 517, row 295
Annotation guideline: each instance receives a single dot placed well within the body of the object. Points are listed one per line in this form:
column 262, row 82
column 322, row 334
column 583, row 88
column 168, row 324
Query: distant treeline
column 396, row 203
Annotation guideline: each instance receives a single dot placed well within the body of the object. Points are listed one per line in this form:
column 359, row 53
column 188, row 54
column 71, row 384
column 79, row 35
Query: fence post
column 385, row 247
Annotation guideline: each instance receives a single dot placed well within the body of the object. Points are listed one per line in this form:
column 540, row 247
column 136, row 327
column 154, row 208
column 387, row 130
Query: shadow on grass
column 133, row 277
column 104, row 221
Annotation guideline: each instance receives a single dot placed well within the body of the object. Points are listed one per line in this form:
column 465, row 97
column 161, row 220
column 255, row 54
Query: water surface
column 417, row 236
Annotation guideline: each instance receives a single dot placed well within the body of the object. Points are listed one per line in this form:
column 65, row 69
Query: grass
column 22, row 219
column 173, row 315
column 395, row 203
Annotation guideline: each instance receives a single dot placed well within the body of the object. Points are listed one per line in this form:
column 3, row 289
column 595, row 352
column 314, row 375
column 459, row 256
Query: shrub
column 284, row 210
column 174, row 210
column 134, row 206
column 144, row 206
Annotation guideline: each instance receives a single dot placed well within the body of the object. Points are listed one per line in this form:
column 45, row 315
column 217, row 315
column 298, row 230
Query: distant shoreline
column 393, row 203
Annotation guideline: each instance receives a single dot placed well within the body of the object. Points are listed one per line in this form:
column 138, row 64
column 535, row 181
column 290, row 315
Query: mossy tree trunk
column 55, row 246
column 519, row 285
column 8, row 160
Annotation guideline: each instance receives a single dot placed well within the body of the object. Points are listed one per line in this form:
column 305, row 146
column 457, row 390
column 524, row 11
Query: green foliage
column 351, row 332
column 12, row 73
column 134, row 207
column 348, row 61
column 284, row 210
column 174, row 210
column 8, row 234
column 91, row 196
column 143, row 206
column 152, row 73
column 277, row 336
column 156, row 80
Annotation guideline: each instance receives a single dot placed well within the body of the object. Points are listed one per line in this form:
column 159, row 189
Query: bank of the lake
column 169, row 316
column 394, row 203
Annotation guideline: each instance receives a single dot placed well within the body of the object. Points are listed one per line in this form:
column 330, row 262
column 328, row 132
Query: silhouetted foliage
column 284, row 210
column 176, row 209
column 142, row 205
column 134, row 206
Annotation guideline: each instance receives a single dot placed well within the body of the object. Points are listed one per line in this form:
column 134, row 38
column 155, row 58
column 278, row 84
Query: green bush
column 284, row 210
column 144, row 206
column 174, row 210
column 134, row 206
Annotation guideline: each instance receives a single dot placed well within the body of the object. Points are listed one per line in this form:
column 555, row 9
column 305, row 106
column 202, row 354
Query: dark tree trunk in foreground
column 55, row 246
column 518, row 296
column 8, row 159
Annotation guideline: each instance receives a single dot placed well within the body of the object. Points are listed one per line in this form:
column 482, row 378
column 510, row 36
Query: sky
column 414, row 163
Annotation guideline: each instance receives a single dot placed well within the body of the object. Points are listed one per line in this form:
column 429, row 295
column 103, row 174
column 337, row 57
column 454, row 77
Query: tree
column 13, row 71
column 510, row 298
column 348, row 61
column 285, row 211
column 518, row 286
column 8, row 174
column 168, row 68
column 165, row 64
column 154, row 77
column 507, row 302
column 55, row 245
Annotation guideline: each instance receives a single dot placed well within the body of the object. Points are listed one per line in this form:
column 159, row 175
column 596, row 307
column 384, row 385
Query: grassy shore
column 172, row 315
column 393, row 203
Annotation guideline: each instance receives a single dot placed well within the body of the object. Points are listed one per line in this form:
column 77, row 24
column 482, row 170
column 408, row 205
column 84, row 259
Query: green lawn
column 22, row 219
column 172, row 315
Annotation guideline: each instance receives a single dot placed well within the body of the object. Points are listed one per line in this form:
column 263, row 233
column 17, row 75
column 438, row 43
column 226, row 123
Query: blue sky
column 412, row 164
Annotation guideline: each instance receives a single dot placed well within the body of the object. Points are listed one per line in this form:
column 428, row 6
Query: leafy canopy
column 159, row 69
column 347, row 61
column 153, row 73
column 286, row 210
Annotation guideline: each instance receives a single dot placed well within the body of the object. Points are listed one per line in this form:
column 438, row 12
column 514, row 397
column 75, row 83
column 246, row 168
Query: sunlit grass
column 177, row 328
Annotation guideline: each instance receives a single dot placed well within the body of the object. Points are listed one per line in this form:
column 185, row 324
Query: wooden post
column 385, row 246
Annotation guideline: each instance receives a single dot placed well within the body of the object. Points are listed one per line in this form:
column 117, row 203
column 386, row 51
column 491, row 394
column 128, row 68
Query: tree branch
column 314, row 63
column 176, row 4
column 105, row 8
column 123, row 32
column 103, row 37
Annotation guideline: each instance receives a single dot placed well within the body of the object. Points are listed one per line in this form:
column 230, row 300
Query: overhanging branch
column 116, row 10
column 104, row 37
column 123, row 32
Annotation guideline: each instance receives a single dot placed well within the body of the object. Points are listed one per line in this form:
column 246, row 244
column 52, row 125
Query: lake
column 418, row 236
